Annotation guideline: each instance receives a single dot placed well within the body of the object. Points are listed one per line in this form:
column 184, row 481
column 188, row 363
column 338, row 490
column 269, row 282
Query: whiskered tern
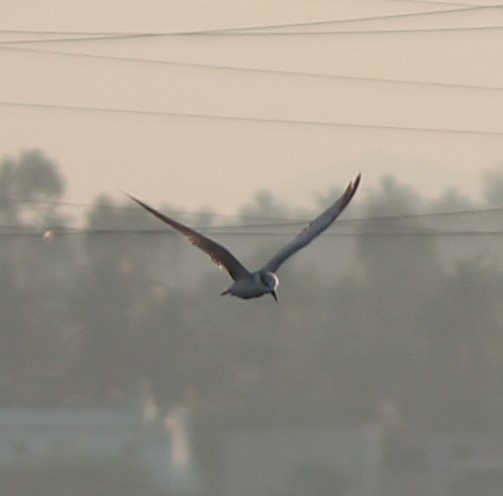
column 263, row 281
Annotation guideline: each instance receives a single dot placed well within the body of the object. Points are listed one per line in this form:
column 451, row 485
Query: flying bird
column 263, row 281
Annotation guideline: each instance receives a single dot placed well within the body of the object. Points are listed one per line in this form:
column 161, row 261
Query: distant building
column 70, row 436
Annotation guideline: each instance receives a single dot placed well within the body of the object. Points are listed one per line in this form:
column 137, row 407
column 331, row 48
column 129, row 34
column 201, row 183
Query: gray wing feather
column 218, row 254
column 314, row 228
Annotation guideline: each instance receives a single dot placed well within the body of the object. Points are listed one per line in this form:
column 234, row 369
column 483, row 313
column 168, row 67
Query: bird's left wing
column 314, row 228
column 218, row 254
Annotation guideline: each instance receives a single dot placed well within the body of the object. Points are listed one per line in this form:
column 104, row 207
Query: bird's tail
column 226, row 292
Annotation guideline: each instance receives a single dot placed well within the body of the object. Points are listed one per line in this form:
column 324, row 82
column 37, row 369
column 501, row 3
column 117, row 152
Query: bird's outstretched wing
column 220, row 255
column 314, row 228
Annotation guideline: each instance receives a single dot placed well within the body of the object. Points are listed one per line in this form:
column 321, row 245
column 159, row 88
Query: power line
column 134, row 207
column 250, row 119
column 66, row 32
column 50, row 233
column 425, row 215
column 243, row 34
column 252, row 30
column 434, row 2
column 362, row 32
column 119, row 207
column 278, row 72
column 231, row 29
column 269, row 221
column 371, row 18
column 84, row 38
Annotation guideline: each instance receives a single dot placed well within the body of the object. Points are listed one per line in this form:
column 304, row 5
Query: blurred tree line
column 87, row 317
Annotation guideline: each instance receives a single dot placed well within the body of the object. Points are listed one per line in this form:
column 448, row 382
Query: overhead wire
column 385, row 17
column 247, row 229
column 7, row 45
column 49, row 233
column 255, row 119
column 454, row 29
column 436, row 2
column 268, row 221
column 279, row 72
column 257, row 34
column 261, row 30
column 251, row 119
column 245, row 29
column 57, row 203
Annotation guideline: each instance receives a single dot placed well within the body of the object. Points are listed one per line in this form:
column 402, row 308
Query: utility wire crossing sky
column 268, row 98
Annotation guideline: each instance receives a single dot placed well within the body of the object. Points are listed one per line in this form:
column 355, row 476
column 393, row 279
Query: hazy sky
column 194, row 162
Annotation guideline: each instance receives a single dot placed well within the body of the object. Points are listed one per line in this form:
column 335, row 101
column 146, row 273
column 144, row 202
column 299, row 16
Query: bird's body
column 256, row 284
column 248, row 284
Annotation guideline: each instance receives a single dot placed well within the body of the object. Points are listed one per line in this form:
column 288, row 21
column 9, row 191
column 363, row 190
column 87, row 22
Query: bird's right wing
column 314, row 228
column 220, row 255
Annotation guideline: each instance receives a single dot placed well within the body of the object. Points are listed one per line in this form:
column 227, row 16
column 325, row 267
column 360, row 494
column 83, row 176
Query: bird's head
column 270, row 282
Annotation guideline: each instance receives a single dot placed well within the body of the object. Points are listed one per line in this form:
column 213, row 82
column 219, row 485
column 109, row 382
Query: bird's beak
column 274, row 295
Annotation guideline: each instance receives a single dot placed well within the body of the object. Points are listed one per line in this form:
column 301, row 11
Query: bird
column 247, row 284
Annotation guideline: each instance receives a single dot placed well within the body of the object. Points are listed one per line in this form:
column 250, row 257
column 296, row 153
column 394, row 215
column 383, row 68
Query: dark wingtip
column 352, row 187
column 145, row 206
column 356, row 181
column 132, row 197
